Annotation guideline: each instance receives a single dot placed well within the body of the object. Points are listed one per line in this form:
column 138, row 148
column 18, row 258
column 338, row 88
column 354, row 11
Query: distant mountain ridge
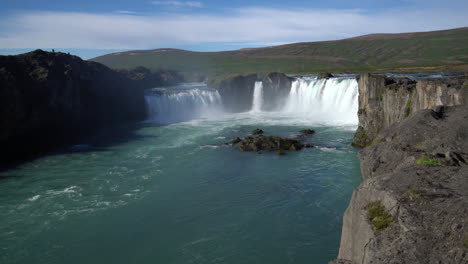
column 371, row 52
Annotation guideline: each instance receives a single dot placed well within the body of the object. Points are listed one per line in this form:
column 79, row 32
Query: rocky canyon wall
column 412, row 206
column 384, row 101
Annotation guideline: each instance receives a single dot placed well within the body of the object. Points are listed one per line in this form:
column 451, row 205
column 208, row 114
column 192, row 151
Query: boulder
column 307, row 132
column 325, row 75
column 269, row 143
column 257, row 131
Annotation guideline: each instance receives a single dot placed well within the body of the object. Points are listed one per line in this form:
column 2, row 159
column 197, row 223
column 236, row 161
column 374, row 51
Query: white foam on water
column 68, row 190
column 34, row 198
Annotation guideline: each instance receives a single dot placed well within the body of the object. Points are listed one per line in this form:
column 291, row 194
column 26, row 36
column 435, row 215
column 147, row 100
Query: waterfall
column 333, row 101
column 257, row 97
column 177, row 106
column 326, row 101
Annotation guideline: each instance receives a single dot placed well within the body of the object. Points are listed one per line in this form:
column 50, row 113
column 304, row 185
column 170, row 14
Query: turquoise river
column 169, row 191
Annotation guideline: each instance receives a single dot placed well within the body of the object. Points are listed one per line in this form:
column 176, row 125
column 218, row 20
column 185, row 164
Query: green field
column 423, row 51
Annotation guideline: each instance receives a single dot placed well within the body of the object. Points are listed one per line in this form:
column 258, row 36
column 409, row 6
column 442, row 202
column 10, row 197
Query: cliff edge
column 384, row 101
column 413, row 204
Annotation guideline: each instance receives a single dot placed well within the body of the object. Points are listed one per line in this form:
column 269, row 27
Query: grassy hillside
column 436, row 50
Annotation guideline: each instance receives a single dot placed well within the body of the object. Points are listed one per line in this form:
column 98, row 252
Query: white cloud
column 251, row 25
column 178, row 3
column 127, row 12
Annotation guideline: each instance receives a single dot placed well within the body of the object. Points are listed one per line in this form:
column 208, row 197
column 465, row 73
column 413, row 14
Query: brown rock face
column 384, row 101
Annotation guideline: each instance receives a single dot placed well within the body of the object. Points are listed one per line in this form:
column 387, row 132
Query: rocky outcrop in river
column 261, row 143
column 384, row 101
column 48, row 99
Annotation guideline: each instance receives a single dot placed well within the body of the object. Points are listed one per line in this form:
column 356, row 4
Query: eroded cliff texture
column 276, row 88
column 384, row 101
column 48, row 99
column 418, row 171
column 237, row 91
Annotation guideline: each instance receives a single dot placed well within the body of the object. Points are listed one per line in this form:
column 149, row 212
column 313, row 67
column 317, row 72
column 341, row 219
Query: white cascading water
column 333, row 101
column 257, row 97
column 166, row 108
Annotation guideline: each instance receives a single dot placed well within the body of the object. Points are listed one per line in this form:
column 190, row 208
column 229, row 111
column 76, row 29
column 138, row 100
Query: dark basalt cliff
column 276, row 88
column 384, row 101
column 51, row 99
column 412, row 206
column 237, row 91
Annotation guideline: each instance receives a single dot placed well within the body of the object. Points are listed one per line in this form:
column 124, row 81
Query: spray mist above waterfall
column 308, row 100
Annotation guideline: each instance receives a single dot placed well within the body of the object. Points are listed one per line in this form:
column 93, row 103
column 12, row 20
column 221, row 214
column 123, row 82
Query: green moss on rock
column 361, row 138
column 414, row 194
column 376, row 141
column 408, row 104
column 426, row 160
column 378, row 215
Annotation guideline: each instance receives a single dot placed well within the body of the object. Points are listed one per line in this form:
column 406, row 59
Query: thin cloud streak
column 250, row 25
column 178, row 3
column 125, row 12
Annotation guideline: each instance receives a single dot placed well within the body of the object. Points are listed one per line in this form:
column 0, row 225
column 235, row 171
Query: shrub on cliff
column 426, row 160
column 378, row 215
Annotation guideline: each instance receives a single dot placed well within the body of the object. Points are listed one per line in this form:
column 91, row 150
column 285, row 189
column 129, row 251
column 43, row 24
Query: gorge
column 168, row 190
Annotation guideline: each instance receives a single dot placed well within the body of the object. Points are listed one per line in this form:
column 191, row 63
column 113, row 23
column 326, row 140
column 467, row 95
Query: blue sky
column 91, row 28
